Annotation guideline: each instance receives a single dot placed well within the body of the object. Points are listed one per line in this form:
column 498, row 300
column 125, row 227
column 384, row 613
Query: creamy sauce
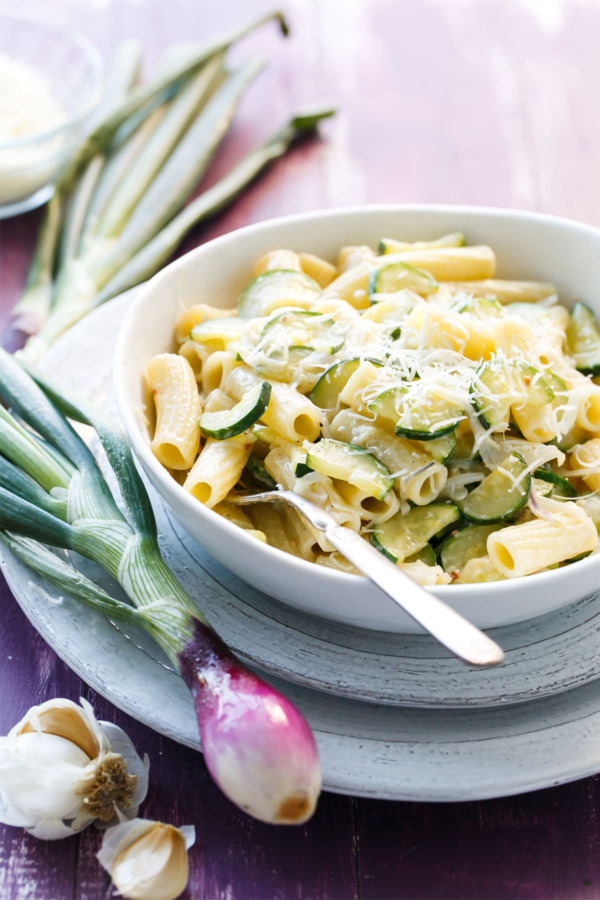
column 27, row 108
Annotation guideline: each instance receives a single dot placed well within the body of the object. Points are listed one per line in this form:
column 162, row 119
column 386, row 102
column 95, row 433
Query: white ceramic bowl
column 528, row 246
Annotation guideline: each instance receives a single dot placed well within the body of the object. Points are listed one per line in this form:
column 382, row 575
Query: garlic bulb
column 60, row 769
column 147, row 860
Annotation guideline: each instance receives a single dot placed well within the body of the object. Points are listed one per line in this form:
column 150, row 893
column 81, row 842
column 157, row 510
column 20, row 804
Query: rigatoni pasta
column 447, row 415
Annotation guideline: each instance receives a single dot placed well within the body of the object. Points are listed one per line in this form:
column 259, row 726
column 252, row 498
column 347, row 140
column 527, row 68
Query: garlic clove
column 64, row 719
column 147, row 860
column 60, row 769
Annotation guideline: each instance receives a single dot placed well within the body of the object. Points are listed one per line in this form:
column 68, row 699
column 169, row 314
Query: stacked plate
column 395, row 716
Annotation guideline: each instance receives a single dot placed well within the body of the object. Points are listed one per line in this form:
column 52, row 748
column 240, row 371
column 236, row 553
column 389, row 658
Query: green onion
column 33, row 307
column 257, row 746
column 149, row 259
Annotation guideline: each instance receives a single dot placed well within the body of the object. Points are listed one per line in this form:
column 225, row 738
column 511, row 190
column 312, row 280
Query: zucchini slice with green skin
column 425, row 418
column 403, row 536
column 307, row 331
column 352, row 464
column 501, row 384
column 398, row 276
column 389, row 245
column 227, row 423
column 442, row 448
column 425, row 555
column 255, row 468
column 563, row 485
column 274, row 289
column 583, row 339
column 498, row 498
column 224, row 330
column 487, row 306
column 326, row 391
column 465, row 544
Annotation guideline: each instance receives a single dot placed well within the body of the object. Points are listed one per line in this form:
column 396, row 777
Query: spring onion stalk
column 162, row 200
column 151, row 257
column 121, row 158
column 33, row 307
column 128, row 143
column 179, row 115
column 258, row 747
column 145, row 94
column 180, row 174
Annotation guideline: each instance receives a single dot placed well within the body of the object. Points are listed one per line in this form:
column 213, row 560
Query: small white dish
column 72, row 70
column 527, row 245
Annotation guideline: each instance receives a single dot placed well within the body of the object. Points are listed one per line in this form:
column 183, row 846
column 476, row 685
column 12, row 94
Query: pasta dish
column 449, row 417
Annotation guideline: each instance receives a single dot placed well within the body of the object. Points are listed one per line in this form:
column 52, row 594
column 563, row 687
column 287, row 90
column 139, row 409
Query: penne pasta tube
column 524, row 549
column 178, row 407
column 320, row 270
column 196, row 355
column 584, row 462
column 475, row 263
column 218, row 468
column 418, row 478
column 278, row 259
column 289, row 413
column 588, row 409
column 216, row 369
column 506, row 291
column 273, row 522
column 236, row 515
column 201, row 312
column 352, row 286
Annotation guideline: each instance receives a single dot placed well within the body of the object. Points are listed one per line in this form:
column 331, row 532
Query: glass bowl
column 73, row 71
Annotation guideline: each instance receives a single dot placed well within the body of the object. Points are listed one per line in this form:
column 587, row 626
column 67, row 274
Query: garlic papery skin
column 60, row 769
column 147, row 860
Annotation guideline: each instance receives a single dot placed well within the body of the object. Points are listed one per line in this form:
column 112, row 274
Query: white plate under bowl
column 527, row 246
column 367, row 749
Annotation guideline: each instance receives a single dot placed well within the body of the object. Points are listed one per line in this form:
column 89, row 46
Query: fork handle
column 451, row 629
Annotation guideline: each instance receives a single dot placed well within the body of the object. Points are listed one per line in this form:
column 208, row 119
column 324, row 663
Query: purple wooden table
column 491, row 102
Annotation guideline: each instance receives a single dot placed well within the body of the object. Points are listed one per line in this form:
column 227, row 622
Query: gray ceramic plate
column 380, row 745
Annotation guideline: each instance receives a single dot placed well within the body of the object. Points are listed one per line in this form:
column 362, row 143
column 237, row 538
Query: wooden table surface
column 487, row 102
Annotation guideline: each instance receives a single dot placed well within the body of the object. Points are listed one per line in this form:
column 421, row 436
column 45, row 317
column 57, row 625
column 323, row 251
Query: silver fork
column 451, row 629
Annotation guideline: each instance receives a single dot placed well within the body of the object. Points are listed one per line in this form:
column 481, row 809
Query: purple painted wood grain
column 439, row 101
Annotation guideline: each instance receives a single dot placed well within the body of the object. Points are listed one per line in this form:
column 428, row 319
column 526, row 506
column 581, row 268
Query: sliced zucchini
column 583, row 339
column 461, row 546
column 227, row 423
column 399, row 276
column 501, row 384
column 425, row 555
column 255, row 468
column 541, row 487
column 498, row 497
column 483, row 306
column 562, row 485
column 221, row 330
column 442, row 448
column 352, row 464
column 332, row 382
column 274, row 289
column 465, row 442
column 422, row 418
column 389, row 245
column 302, row 330
column 406, row 534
